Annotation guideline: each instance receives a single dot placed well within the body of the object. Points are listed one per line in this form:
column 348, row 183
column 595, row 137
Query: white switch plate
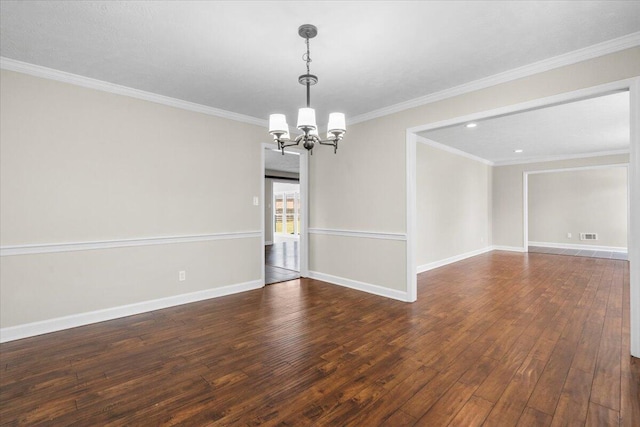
column 182, row 276
column 255, row 200
column 568, row 235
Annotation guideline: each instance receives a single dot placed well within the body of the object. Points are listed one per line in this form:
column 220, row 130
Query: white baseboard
column 52, row 325
column 508, row 248
column 430, row 266
column 361, row 286
column 578, row 246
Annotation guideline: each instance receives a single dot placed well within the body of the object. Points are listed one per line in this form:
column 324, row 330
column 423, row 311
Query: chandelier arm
column 282, row 144
column 331, row 142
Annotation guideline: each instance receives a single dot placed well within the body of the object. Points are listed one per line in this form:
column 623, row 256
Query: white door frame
column 303, row 244
column 633, row 86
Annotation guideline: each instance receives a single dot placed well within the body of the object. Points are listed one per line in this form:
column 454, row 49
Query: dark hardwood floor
column 499, row 339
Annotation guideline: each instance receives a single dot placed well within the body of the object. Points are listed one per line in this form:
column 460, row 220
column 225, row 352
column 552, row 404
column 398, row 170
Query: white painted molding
column 45, row 248
column 362, row 234
column 533, row 104
column 452, row 150
column 411, row 148
column 75, row 79
column 578, row 246
column 544, row 159
column 590, row 52
column 633, row 239
column 430, row 266
column 508, row 248
column 52, row 325
column 578, row 168
column 361, row 286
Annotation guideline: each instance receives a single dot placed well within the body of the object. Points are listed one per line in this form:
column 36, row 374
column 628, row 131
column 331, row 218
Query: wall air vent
column 588, row 236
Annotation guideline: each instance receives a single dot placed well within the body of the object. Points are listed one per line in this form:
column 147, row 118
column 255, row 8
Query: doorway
column 633, row 241
column 282, row 256
column 284, row 222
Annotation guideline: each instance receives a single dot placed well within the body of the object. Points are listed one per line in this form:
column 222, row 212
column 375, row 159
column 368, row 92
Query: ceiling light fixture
column 278, row 126
column 471, row 125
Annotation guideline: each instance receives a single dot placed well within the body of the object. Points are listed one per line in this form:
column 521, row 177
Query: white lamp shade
column 337, row 123
column 307, row 118
column 278, row 124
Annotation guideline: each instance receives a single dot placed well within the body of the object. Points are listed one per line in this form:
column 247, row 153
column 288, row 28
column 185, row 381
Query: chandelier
column 278, row 126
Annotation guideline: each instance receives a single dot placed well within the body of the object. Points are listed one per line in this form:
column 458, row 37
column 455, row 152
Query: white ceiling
column 245, row 57
column 596, row 125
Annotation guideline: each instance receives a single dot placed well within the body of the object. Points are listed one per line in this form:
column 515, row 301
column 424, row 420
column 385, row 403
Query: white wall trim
column 44, row 248
column 633, row 240
column 529, row 105
column 435, row 264
column 411, row 155
column 452, row 150
column 508, row 248
column 77, row 80
column 578, row 246
column 579, row 168
column 361, row 286
column 525, row 211
column 545, row 159
column 600, row 49
column 361, row 234
column 46, row 326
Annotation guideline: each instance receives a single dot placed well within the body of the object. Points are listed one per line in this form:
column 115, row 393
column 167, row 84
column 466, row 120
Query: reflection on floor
column 281, row 262
column 579, row 252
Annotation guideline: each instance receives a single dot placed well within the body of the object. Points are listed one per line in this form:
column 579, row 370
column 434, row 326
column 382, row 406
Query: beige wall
column 364, row 186
column 579, row 201
column 508, row 213
column 81, row 165
column 453, row 201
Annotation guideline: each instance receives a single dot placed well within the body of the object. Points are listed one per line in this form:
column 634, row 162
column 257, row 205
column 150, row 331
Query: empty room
column 354, row 213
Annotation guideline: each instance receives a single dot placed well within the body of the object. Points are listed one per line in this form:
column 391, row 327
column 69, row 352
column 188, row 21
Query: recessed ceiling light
column 518, row 150
column 471, row 125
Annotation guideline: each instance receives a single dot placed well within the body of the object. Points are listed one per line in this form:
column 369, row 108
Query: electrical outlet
column 182, row 276
column 568, row 235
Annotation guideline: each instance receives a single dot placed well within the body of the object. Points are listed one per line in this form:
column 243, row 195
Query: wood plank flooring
column 501, row 339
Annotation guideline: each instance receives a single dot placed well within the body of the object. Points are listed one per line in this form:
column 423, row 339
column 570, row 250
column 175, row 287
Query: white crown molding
column 590, row 52
column 361, row 234
column 545, row 159
column 452, row 150
column 361, row 286
column 52, row 325
column 578, row 168
column 74, row 79
column 45, row 248
column 577, row 246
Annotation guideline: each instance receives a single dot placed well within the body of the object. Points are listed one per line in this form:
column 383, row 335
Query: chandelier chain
column 307, row 56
